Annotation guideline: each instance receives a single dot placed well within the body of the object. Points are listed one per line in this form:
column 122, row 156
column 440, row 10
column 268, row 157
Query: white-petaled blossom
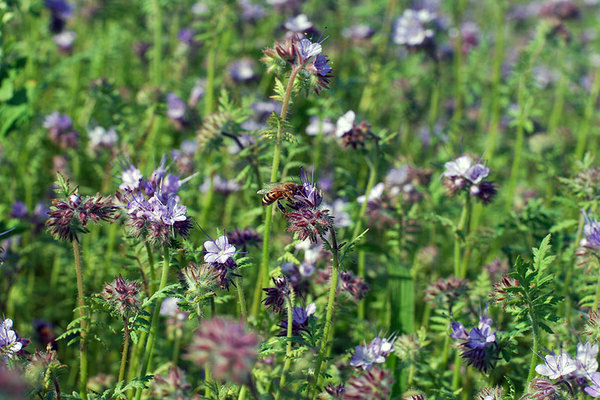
column 556, row 366
column 464, row 167
column 586, row 359
column 99, row 136
column 345, row 123
column 218, row 251
column 410, row 28
column 375, row 193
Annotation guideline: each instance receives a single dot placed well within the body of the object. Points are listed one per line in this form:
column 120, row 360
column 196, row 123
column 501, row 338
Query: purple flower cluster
column 591, row 230
column 464, row 174
column 153, row 205
column 300, row 320
column 219, row 257
column 480, row 348
column 60, row 130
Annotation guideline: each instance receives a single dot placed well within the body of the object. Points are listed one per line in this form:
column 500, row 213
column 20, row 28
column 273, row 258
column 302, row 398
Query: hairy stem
column 329, row 314
column 288, row 350
column 263, row 272
column 154, row 321
column 125, row 349
column 83, row 361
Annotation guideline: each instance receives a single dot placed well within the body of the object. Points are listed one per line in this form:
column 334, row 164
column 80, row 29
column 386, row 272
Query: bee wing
column 270, row 187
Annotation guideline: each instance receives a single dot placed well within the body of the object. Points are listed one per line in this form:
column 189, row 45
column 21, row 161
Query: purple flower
column 100, row 137
column 307, row 49
column 242, row 70
column 482, row 336
column 299, row 24
column 18, row 210
column 480, row 348
column 9, row 344
column 196, row 93
column 60, row 8
column 322, row 65
column 464, row 167
column 318, row 125
column 557, row 366
column 594, row 389
column 186, row 36
column 358, row 32
column 64, row 40
column 251, row 11
column 275, row 296
column 591, row 230
column 300, row 320
column 218, row 251
column 374, row 353
column 410, row 28
column 176, row 107
column 458, row 331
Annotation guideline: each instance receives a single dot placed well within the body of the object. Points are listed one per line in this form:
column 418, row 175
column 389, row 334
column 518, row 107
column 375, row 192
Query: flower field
column 299, row 199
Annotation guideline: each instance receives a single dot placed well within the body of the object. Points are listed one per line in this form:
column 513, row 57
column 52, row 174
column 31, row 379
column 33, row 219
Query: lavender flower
column 131, row 179
column 242, row 70
column 480, row 348
column 557, row 366
column 300, row 320
column 410, row 28
column 594, row 389
column 374, row 353
column 60, row 12
column 60, row 129
column 463, row 173
column 586, row 359
column 218, row 251
column 358, row 32
column 298, row 24
column 186, row 36
column 18, row 210
column 226, row 348
column 176, row 108
column 196, row 93
column 251, row 12
column 100, row 137
column 318, row 125
column 9, row 344
column 307, row 49
column 354, row 285
column 591, row 230
column 353, row 134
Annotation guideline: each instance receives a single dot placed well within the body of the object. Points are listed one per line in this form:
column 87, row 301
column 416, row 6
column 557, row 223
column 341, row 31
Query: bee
column 275, row 192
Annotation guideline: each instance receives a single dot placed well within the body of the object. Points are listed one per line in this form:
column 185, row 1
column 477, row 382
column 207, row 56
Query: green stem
column 241, row 299
column 83, row 362
column 154, row 323
column 456, row 375
column 125, row 350
column 358, row 228
column 288, row 351
column 329, row 314
column 462, row 228
column 263, row 272
column 584, row 127
column 536, row 342
column 157, row 45
column 569, row 276
column 458, row 62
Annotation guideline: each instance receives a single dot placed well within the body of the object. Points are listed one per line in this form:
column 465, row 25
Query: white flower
column 375, row 193
column 345, row 123
column 131, row 178
column 101, row 137
column 317, row 125
column 586, row 359
column 218, row 251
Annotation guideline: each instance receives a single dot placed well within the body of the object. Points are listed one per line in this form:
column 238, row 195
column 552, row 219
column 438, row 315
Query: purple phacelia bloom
column 465, row 168
column 18, row 210
column 318, row 125
column 196, row 93
column 307, row 49
column 101, row 137
column 358, row 32
column 176, row 107
column 308, row 196
column 186, row 36
column 374, row 353
column 591, row 230
column 480, row 348
column 300, row 320
column 410, row 28
column 57, row 123
column 594, row 389
column 60, row 8
column 242, row 70
column 251, row 11
column 9, row 343
column 322, row 65
column 298, row 24
column 557, row 366
column 218, row 251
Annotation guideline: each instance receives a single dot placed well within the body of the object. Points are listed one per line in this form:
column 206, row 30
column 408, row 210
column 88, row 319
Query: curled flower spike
column 276, row 296
column 122, row 296
column 372, row 384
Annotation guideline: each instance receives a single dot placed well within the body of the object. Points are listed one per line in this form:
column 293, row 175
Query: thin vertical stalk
column 463, row 222
column 458, row 63
column 456, row 375
column 588, row 115
column 288, row 350
column 241, row 299
column 125, row 350
column 83, row 361
column 263, row 272
column 569, row 276
column 154, row 321
column 335, row 269
column 358, row 228
column 157, row 45
column 536, row 345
